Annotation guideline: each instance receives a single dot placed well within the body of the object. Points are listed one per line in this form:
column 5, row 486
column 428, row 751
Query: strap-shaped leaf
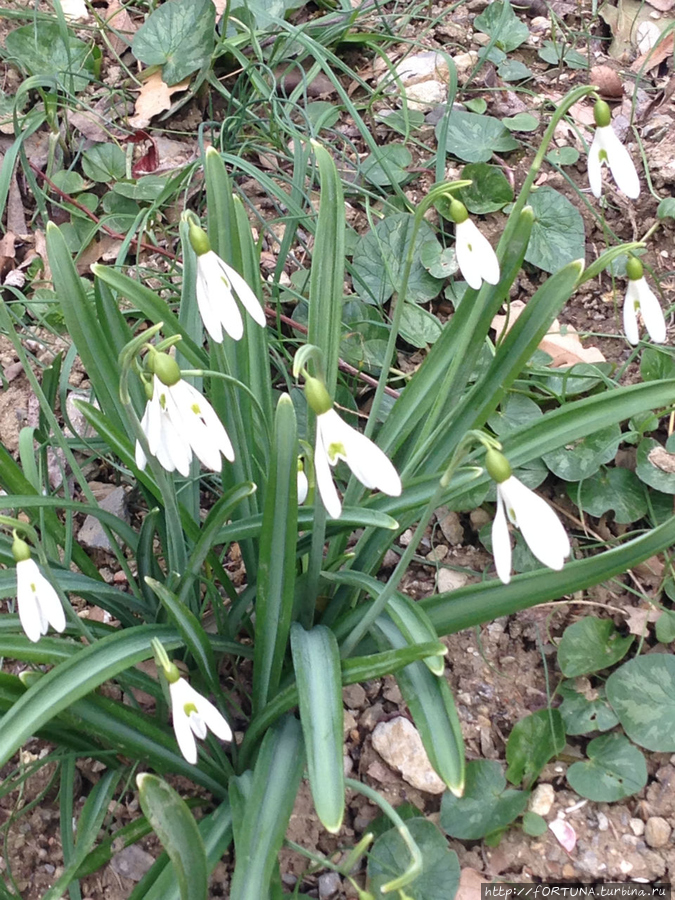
column 432, row 707
column 316, row 660
column 176, row 828
column 276, row 565
column 276, row 778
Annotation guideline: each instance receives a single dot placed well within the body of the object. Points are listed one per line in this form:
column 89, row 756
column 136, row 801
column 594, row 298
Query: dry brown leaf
column 95, row 251
column 469, row 885
column 41, row 250
column 123, row 28
column 638, row 619
column 16, row 216
column 564, row 349
column 154, row 98
column 655, row 57
column 663, row 460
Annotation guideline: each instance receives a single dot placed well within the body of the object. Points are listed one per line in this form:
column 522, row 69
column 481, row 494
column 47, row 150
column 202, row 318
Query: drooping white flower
column 640, row 298
column 39, row 604
column 193, row 714
column 303, row 484
column 607, row 148
column 476, row 259
column 178, row 421
column 217, row 286
column 538, row 523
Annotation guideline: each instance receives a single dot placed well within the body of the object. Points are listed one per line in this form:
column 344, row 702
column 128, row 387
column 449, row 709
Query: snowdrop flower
column 193, row 715
column 178, row 421
column 640, row 298
column 476, row 259
column 38, row 602
column 336, row 440
column 539, row 525
column 303, row 483
column 607, row 148
column 217, row 286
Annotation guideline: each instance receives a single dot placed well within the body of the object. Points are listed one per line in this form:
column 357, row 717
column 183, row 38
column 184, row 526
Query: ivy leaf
column 558, row 235
column 642, row 694
column 511, row 34
column 583, row 458
column 487, row 805
column 615, row 769
column 489, row 190
column 581, row 714
column 475, row 138
column 42, row 51
column 591, row 645
column 616, row 489
column 179, row 36
column 533, row 741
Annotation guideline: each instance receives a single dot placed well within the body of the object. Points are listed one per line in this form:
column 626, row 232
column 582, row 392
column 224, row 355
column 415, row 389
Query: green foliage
column 558, row 232
column 178, row 36
column 533, row 741
column 44, row 51
column 509, row 31
column 389, row 856
column 642, row 694
column 585, row 712
column 475, row 138
column 486, row 806
column 489, row 190
column 590, row 645
column 615, row 769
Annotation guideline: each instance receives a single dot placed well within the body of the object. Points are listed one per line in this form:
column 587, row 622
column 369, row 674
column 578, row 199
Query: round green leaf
column 511, row 34
column 665, row 627
column 615, row 769
column 583, row 458
column 656, row 466
column 475, row 138
column 558, row 235
column 476, row 105
column 514, row 70
column 104, row 163
column 656, row 363
column 489, row 191
column 591, row 645
column 438, row 261
column 419, row 327
column 322, row 114
column 69, row 182
column 533, row 741
column 555, row 54
column 389, row 858
column 563, row 156
column 179, row 36
column 395, row 156
column 642, row 694
column 522, row 122
column 534, row 824
column 379, row 259
column 486, row 805
column 666, row 208
column 41, row 50
column 582, row 715
column 516, row 410
column 617, row 489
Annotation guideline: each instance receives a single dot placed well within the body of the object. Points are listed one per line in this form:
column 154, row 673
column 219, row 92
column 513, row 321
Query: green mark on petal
column 336, row 450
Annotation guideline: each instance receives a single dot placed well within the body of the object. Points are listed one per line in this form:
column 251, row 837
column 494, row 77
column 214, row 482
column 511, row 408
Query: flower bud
column 602, row 114
column 634, row 268
column 20, row 549
column 165, row 368
column 199, row 239
column 458, row 212
column 317, row 395
column 497, row 466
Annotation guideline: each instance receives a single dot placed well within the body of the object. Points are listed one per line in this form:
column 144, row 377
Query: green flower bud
column 165, row 368
column 20, row 549
column 634, row 268
column 602, row 114
column 199, row 239
column 458, row 212
column 317, row 396
column 171, row 673
column 497, row 466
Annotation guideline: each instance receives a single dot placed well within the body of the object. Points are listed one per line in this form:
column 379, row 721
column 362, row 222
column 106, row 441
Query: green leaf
column 666, row 208
column 642, row 694
column 179, row 36
column 522, row 122
column 379, row 261
column 316, row 661
column 665, row 627
column 583, row 458
column 438, row 261
column 513, row 70
column 322, row 114
column 563, row 156
column 389, row 858
column 401, row 121
column 475, row 138
column 40, row 50
column 490, row 190
column 615, row 769
column 534, row 824
column 558, row 235
column 68, row 181
column 581, row 714
column 147, row 188
column 614, row 489
column 554, row 54
column 655, row 466
column 419, row 327
column 486, row 805
column 656, row 363
column 511, row 34
column 476, row 105
column 591, row 645
column 533, row 741
column 104, row 163
column 174, row 825
column 397, row 158
column 516, row 410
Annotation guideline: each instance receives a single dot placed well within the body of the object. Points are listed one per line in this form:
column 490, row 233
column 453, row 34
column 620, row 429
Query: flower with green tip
column 607, row 148
column 178, row 421
column 38, row 603
column 539, row 525
column 303, row 483
column 641, row 299
column 193, row 714
column 336, row 440
column 217, row 286
column 476, row 259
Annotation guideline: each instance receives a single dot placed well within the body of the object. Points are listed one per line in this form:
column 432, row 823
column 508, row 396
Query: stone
column 603, row 822
column 132, row 862
column 637, row 826
column 400, row 746
column 464, row 63
column 92, row 535
column 448, row 580
column 329, row 884
column 542, row 799
column 657, row 832
column 426, row 94
column 449, row 523
column 354, row 696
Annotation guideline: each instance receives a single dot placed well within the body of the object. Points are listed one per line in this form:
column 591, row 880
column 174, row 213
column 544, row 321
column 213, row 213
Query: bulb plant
column 293, row 484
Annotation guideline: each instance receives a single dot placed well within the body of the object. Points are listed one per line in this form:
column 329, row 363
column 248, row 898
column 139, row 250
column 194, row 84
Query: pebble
column 354, row 696
column 542, row 799
column 450, row 525
column 132, row 862
column 657, row 832
column 92, row 535
column 448, row 580
column 603, row 822
column 329, row 884
column 400, row 746
column 637, row 826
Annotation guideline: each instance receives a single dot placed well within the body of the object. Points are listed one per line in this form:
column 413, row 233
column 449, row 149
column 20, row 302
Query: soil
column 502, row 671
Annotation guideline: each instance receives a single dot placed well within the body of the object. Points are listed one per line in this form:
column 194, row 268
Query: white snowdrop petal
column 214, row 720
column 212, row 423
column 181, row 723
column 50, row 603
column 501, row 542
column 303, row 487
column 621, row 164
column 246, row 297
column 595, row 164
column 217, row 295
column 631, row 304
column 373, row 464
column 197, row 724
column 538, row 523
column 30, row 615
column 652, row 314
column 153, row 416
column 324, row 477
column 467, row 259
column 207, row 308
column 187, row 410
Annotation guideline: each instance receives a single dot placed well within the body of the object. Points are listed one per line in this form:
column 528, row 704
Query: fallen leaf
column 95, row 251
column 638, row 619
column 16, row 217
column 41, row 250
column 564, row 349
column 154, row 98
column 663, row 460
column 121, row 25
column 653, row 58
